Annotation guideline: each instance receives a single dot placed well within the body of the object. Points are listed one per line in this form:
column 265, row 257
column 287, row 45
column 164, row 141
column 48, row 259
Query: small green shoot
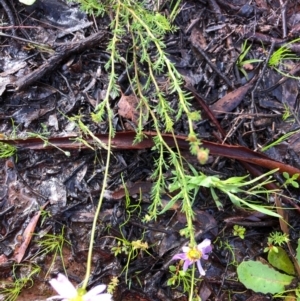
column 279, row 140
column 181, row 278
column 231, row 253
column 7, row 150
column 44, row 215
column 111, row 287
column 278, row 238
column 287, row 113
column 239, row 231
column 129, row 207
column 131, row 249
column 281, row 55
column 290, row 180
column 242, row 62
column 52, row 244
column 11, row 291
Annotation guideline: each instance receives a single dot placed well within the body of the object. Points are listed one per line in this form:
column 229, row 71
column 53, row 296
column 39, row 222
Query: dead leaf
column 230, row 101
column 129, row 109
column 27, row 235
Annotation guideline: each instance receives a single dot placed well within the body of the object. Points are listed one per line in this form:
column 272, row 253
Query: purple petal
column 205, row 246
column 200, row 269
column 186, row 264
column 101, row 297
column 181, row 256
column 94, row 292
column 63, row 287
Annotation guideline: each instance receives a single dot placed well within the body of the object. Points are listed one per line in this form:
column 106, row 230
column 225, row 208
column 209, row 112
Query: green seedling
column 129, row 206
column 131, row 250
column 288, row 295
column 279, row 140
column 44, row 215
column 11, row 290
column 239, row 231
column 52, row 244
column 242, row 61
column 111, row 287
column 182, row 278
column 276, row 238
column 292, row 181
column 228, row 247
column 7, row 150
column 287, row 113
column 280, row 56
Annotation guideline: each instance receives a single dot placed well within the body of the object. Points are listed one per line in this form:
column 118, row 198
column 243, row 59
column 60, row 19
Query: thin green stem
column 192, row 284
column 110, row 135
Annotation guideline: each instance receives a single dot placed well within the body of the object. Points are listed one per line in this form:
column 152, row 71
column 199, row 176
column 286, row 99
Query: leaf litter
column 39, row 88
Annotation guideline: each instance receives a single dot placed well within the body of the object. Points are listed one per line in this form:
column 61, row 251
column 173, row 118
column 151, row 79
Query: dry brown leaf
column 128, row 108
column 27, row 235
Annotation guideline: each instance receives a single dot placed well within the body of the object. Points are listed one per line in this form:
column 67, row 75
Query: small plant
column 279, row 140
column 242, row 63
column 130, row 249
column 287, row 113
column 276, row 239
column 239, row 231
column 290, row 180
column 112, row 285
column 280, row 56
column 227, row 246
column 230, row 187
column 181, row 278
column 7, row 150
column 11, row 290
column 52, row 244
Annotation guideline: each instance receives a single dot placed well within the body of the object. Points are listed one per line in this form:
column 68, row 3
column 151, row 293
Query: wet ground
column 52, row 67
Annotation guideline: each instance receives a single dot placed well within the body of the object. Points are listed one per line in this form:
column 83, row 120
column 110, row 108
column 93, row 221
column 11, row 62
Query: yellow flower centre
column 194, row 254
column 80, row 293
column 77, row 298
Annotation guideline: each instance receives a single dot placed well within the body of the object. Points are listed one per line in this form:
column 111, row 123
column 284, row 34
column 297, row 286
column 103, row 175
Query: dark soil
column 40, row 88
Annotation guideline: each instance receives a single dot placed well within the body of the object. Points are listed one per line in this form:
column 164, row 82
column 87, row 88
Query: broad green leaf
column 261, row 278
column 298, row 252
column 281, row 261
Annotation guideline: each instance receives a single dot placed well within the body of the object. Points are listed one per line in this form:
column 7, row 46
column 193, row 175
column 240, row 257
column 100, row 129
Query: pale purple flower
column 67, row 292
column 192, row 255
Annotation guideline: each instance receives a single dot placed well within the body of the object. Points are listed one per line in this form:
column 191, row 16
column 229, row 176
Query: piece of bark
column 61, row 53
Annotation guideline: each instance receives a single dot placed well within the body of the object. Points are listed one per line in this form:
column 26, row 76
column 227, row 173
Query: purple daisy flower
column 192, row 255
